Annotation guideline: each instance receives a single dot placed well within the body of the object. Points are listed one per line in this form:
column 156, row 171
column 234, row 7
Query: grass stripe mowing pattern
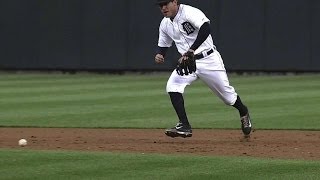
column 140, row 101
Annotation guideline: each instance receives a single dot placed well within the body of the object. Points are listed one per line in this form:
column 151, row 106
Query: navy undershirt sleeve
column 162, row 50
column 203, row 34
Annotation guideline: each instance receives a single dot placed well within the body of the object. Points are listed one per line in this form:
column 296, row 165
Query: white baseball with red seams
column 183, row 30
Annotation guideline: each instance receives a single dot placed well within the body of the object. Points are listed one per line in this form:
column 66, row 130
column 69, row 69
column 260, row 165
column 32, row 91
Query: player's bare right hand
column 159, row 59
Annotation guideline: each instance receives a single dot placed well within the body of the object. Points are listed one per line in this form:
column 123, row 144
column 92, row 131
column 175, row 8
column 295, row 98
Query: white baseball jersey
column 183, row 30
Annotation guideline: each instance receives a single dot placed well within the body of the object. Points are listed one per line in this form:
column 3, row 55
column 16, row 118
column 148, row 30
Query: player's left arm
column 200, row 21
column 203, row 34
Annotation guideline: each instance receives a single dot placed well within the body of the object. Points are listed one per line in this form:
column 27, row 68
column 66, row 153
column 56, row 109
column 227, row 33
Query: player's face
column 169, row 9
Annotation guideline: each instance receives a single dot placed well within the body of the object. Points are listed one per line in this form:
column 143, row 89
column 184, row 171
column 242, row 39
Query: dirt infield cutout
column 280, row 144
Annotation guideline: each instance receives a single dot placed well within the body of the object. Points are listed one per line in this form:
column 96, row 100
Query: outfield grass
column 49, row 165
column 140, row 101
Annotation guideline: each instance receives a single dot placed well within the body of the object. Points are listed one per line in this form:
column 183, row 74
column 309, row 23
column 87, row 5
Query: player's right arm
column 160, row 54
column 164, row 43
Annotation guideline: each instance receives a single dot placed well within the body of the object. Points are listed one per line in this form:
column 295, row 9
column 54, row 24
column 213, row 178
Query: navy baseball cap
column 163, row 1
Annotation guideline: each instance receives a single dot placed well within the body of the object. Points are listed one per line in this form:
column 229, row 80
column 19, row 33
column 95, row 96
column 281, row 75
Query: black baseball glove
column 186, row 64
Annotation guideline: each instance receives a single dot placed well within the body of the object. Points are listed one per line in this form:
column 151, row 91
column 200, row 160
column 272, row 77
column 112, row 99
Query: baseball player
column 189, row 29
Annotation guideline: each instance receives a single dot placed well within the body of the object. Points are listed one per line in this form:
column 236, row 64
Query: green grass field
column 41, row 165
column 139, row 101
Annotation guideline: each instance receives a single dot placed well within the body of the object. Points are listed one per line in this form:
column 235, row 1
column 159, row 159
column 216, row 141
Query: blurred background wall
column 251, row 35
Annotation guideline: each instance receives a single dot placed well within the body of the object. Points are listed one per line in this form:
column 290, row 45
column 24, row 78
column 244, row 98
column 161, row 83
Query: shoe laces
column 245, row 121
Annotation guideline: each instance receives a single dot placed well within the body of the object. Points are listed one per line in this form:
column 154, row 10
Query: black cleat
column 179, row 130
column 246, row 125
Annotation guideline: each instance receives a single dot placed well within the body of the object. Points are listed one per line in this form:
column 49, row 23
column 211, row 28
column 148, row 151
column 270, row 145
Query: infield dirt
column 280, row 144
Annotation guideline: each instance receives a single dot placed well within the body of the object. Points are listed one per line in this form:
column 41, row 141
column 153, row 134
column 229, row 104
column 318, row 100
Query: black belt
column 200, row 55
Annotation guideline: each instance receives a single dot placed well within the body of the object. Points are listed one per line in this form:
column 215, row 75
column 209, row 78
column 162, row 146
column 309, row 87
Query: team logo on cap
column 188, row 28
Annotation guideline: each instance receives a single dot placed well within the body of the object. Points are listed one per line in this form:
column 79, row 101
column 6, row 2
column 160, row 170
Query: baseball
column 23, row 142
